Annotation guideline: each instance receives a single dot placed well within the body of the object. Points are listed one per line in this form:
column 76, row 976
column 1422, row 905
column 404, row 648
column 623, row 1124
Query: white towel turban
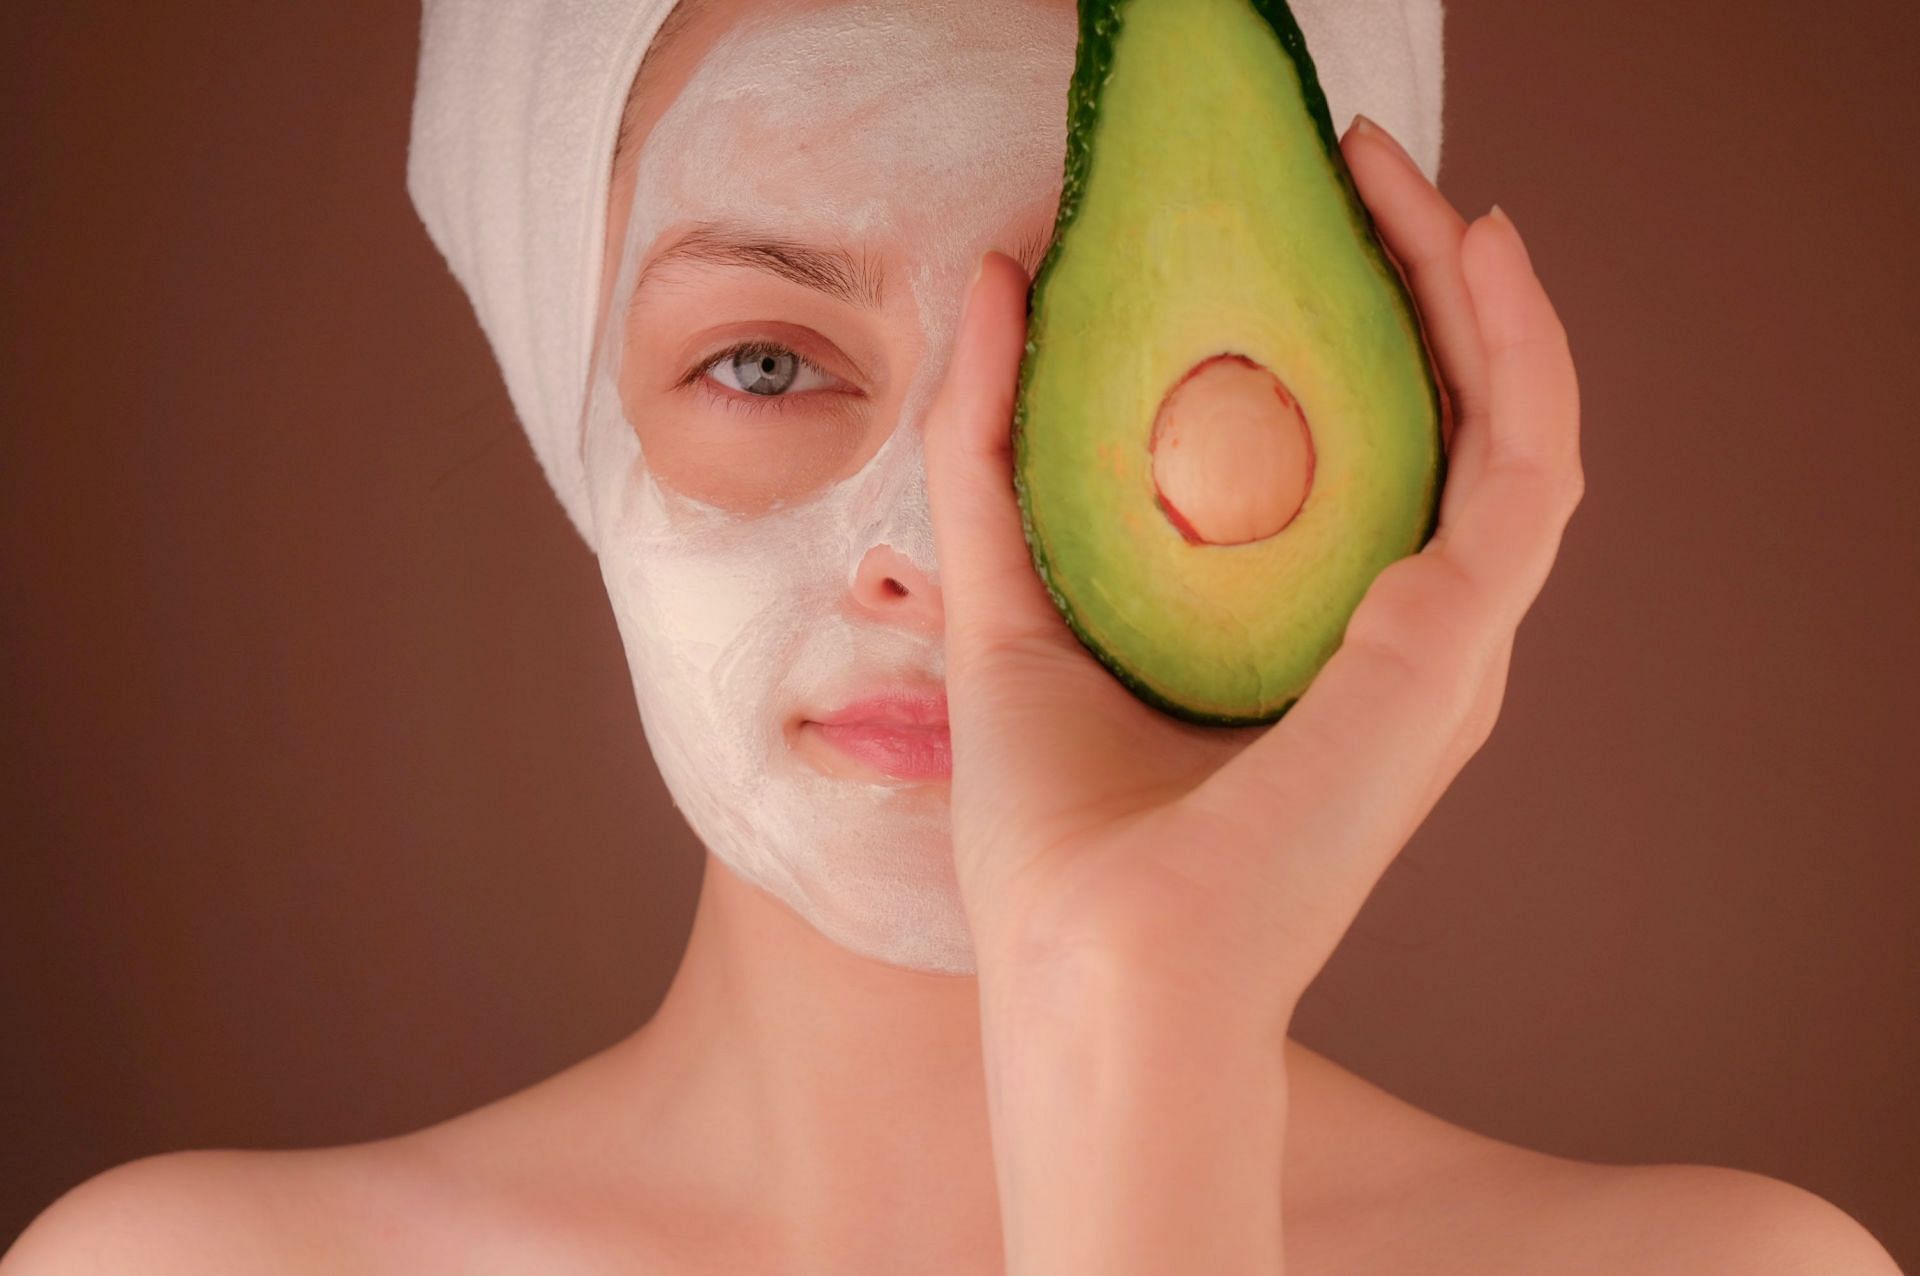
column 515, row 114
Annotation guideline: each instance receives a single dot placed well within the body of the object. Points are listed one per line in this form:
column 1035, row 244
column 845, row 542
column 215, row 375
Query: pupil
column 765, row 373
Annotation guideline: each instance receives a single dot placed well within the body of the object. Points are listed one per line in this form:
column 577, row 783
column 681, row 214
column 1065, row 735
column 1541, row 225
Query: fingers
column 1487, row 506
column 1525, row 478
column 992, row 596
column 1423, row 232
column 1360, row 759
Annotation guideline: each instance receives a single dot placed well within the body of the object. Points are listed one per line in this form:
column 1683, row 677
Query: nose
column 890, row 588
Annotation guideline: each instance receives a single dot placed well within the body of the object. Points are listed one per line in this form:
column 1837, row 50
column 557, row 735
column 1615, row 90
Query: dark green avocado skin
column 1101, row 22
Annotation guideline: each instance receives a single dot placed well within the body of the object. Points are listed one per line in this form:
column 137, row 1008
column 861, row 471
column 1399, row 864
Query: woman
column 1017, row 1004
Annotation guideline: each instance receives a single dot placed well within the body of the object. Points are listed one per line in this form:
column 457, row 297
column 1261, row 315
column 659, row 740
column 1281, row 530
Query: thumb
column 992, row 596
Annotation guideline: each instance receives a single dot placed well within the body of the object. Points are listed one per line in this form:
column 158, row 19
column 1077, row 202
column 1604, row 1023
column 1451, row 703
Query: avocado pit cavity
column 1232, row 455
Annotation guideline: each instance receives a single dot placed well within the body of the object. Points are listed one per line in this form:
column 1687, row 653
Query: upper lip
column 898, row 706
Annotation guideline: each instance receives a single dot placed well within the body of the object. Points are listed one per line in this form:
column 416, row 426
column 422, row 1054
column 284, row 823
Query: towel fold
column 517, row 106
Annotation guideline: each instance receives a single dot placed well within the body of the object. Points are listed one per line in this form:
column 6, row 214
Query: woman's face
column 788, row 252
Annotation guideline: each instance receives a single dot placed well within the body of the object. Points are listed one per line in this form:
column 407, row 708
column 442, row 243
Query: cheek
column 746, row 463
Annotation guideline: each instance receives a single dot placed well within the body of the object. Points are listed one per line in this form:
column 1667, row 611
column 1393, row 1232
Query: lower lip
column 903, row 751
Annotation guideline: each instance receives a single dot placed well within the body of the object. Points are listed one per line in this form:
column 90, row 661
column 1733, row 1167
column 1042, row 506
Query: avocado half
column 1215, row 284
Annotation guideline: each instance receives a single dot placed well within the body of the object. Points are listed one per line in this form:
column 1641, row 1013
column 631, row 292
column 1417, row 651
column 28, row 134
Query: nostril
column 894, row 587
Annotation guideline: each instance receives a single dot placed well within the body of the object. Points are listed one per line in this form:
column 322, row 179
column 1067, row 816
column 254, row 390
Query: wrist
column 1128, row 1120
column 1231, row 1003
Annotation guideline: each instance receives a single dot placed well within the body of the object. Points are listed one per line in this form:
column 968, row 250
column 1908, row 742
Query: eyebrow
column 855, row 280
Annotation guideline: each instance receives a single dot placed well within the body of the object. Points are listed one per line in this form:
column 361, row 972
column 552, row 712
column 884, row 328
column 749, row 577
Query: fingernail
column 979, row 269
column 1368, row 127
column 1499, row 214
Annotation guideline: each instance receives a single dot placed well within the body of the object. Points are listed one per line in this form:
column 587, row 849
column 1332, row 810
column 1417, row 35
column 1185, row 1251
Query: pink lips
column 902, row 734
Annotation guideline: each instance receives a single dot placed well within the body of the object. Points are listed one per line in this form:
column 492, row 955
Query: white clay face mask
column 750, row 554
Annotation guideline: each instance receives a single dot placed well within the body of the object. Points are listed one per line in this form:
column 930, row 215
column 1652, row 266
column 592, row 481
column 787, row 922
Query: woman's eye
column 765, row 370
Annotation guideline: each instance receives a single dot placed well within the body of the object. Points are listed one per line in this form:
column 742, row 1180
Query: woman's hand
column 1224, row 865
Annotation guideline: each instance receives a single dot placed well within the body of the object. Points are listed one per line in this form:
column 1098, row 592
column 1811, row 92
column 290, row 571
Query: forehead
column 820, row 44
column 839, row 93
column 839, row 32
column 828, row 94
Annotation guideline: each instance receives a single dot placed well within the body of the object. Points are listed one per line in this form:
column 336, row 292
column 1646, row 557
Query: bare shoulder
column 513, row 1185
column 1398, row 1189
column 218, row 1212
column 212, row 1212
column 1707, row 1220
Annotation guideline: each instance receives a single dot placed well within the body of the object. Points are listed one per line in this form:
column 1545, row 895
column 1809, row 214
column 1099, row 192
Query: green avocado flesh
column 1207, row 211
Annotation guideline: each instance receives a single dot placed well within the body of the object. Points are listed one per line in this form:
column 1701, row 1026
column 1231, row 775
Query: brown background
column 327, row 812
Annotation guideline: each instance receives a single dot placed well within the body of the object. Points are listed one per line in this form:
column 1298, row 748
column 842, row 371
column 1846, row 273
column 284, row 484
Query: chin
column 869, row 866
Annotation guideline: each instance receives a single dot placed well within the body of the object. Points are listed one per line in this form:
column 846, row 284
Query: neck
column 837, row 1105
column 843, row 1099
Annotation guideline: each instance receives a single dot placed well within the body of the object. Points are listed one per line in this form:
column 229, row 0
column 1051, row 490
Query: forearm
column 1133, row 1131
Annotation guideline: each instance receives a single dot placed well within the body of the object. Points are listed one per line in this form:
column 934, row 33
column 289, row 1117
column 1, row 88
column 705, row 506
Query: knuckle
column 1426, row 632
column 1482, row 731
column 1576, row 487
column 1487, row 704
column 1479, row 728
column 1552, row 336
column 1542, row 472
column 1418, row 614
column 1535, row 342
column 1389, row 661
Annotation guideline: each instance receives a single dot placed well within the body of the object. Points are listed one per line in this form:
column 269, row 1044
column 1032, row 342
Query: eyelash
column 747, row 403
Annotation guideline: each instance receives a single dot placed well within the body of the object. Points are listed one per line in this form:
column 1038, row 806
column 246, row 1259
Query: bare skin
column 796, row 1108
column 793, row 1108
